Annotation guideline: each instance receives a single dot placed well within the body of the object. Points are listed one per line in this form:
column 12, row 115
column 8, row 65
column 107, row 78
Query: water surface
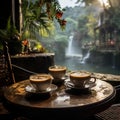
column 75, row 63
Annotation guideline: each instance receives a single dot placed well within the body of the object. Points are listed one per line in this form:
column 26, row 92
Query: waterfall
column 85, row 58
column 73, row 50
column 69, row 50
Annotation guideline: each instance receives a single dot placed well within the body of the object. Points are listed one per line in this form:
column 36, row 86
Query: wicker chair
column 7, row 78
column 113, row 112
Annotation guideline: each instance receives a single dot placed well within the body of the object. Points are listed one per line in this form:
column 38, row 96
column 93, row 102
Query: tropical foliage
column 39, row 16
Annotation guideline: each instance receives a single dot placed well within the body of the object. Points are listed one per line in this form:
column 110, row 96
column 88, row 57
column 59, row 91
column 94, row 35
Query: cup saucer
column 70, row 85
column 30, row 89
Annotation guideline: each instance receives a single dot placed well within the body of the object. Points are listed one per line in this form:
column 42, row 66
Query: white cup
column 81, row 79
column 41, row 81
column 57, row 71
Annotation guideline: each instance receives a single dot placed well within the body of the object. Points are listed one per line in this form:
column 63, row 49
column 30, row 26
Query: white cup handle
column 91, row 81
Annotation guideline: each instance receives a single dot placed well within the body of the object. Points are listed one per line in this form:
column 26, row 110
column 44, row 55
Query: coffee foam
column 78, row 74
column 57, row 68
column 38, row 78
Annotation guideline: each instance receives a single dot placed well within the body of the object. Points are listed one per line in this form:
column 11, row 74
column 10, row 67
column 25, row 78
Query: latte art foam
column 39, row 78
column 58, row 68
column 78, row 75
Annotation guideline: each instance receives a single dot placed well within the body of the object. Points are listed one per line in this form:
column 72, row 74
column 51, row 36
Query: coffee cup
column 41, row 81
column 57, row 71
column 81, row 79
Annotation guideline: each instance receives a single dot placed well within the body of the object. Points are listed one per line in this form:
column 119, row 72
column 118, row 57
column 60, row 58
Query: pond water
column 74, row 63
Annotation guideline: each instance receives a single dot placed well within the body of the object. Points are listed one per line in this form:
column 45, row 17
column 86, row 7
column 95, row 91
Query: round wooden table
column 63, row 102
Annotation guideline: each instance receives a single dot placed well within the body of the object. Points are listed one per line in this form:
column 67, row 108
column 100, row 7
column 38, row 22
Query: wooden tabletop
column 62, row 100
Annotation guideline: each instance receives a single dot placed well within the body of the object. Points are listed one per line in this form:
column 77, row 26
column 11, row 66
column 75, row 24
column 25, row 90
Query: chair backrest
column 10, row 68
column 6, row 72
column 10, row 74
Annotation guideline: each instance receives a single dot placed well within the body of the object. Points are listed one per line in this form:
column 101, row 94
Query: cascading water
column 69, row 50
column 73, row 50
column 85, row 58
